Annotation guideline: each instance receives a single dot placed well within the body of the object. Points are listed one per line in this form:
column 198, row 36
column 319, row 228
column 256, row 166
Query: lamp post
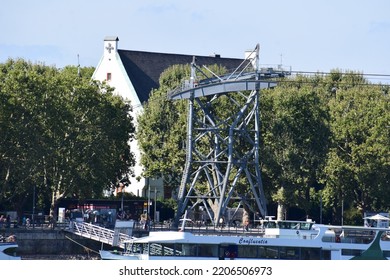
column 122, row 186
column 33, row 210
column 342, row 210
column 321, row 207
column 148, row 184
column 155, row 205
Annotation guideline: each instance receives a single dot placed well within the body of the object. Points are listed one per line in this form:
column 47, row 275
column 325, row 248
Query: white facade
column 111, row 70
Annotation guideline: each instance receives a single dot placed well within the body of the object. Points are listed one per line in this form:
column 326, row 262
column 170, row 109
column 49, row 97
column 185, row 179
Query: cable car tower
column 222, row 168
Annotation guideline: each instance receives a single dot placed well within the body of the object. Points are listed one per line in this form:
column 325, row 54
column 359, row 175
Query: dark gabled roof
column 144, row 68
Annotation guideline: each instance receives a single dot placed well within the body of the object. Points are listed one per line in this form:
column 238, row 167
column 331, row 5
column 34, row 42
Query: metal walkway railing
column 101, row 234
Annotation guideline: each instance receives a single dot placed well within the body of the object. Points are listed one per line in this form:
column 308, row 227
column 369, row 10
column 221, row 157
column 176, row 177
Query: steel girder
column 222, row 152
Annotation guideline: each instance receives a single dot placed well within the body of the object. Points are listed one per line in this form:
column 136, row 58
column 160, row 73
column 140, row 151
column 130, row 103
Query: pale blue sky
column 308, row 35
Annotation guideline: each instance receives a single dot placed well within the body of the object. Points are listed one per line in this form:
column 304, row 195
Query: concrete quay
column 47, row 241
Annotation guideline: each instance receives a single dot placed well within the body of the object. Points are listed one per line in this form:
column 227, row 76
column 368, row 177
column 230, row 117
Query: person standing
column 8, row 221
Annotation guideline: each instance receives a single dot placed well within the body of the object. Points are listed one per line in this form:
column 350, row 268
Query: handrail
column 98, row 233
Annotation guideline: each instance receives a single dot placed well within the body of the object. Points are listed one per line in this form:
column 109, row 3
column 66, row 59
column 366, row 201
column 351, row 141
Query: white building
column 134, row 74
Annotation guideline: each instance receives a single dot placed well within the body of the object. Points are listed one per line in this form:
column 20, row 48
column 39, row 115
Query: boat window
column 178, row 249
column 289, row 253
column 346, row 235
column 310, row 254
column 208, row 250
column 168, row 249
column 138, row 248
column 269, row 252
column 306, row 226
column 189, row 249
column 247, row 251
column 228, row 251
column 163, row 249
column 289, row 225
column 325, row 255
column 284, row 225
column 155, row 249
column 270, row 224
column 351, row 252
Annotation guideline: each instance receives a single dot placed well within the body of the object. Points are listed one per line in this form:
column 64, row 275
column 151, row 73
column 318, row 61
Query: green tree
column 64, row 134
column 358, row 163
column 295, row 137
column 161, row 130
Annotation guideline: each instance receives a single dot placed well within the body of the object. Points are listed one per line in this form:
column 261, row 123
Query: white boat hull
column 281, row 241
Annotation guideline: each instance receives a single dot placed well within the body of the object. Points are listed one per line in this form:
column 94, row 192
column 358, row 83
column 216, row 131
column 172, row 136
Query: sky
column 305, row 35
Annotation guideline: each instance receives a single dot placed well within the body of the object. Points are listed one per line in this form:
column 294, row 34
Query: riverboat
column 274, row 239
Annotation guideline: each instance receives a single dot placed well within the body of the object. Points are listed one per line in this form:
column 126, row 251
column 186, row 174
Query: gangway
column 108, row 236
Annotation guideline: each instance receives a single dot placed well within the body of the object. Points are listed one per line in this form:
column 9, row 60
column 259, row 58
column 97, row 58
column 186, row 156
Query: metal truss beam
column 222, row 168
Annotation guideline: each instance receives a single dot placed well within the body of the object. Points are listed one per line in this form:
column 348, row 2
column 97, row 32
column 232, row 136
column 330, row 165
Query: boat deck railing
column 355, row 236
column 210, row 229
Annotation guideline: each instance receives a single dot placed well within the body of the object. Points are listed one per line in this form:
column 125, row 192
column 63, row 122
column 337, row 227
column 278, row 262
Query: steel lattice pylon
column 222, row 157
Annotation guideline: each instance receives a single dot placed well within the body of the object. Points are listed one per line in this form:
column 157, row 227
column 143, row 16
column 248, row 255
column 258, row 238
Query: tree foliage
column 323, row 137
column 295, row 138
column 62, row 134
column 161, row 130
column 358, row 162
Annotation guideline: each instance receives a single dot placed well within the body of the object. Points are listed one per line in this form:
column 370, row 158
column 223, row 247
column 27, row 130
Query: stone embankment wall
column 48, row 241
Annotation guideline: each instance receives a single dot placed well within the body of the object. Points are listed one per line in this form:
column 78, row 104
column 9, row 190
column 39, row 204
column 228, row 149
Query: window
column 246, row 251
column 189, row 250
column 269, row 252
column 311, row 254
column 108, row 77
column 207, row 250
column 157, row 249
column 289, row 253
column 351, row 252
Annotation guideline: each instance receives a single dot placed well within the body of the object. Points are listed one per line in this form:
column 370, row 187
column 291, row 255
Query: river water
column 61, row 257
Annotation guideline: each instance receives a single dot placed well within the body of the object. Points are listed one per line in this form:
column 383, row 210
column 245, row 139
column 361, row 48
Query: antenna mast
column 78, row 66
